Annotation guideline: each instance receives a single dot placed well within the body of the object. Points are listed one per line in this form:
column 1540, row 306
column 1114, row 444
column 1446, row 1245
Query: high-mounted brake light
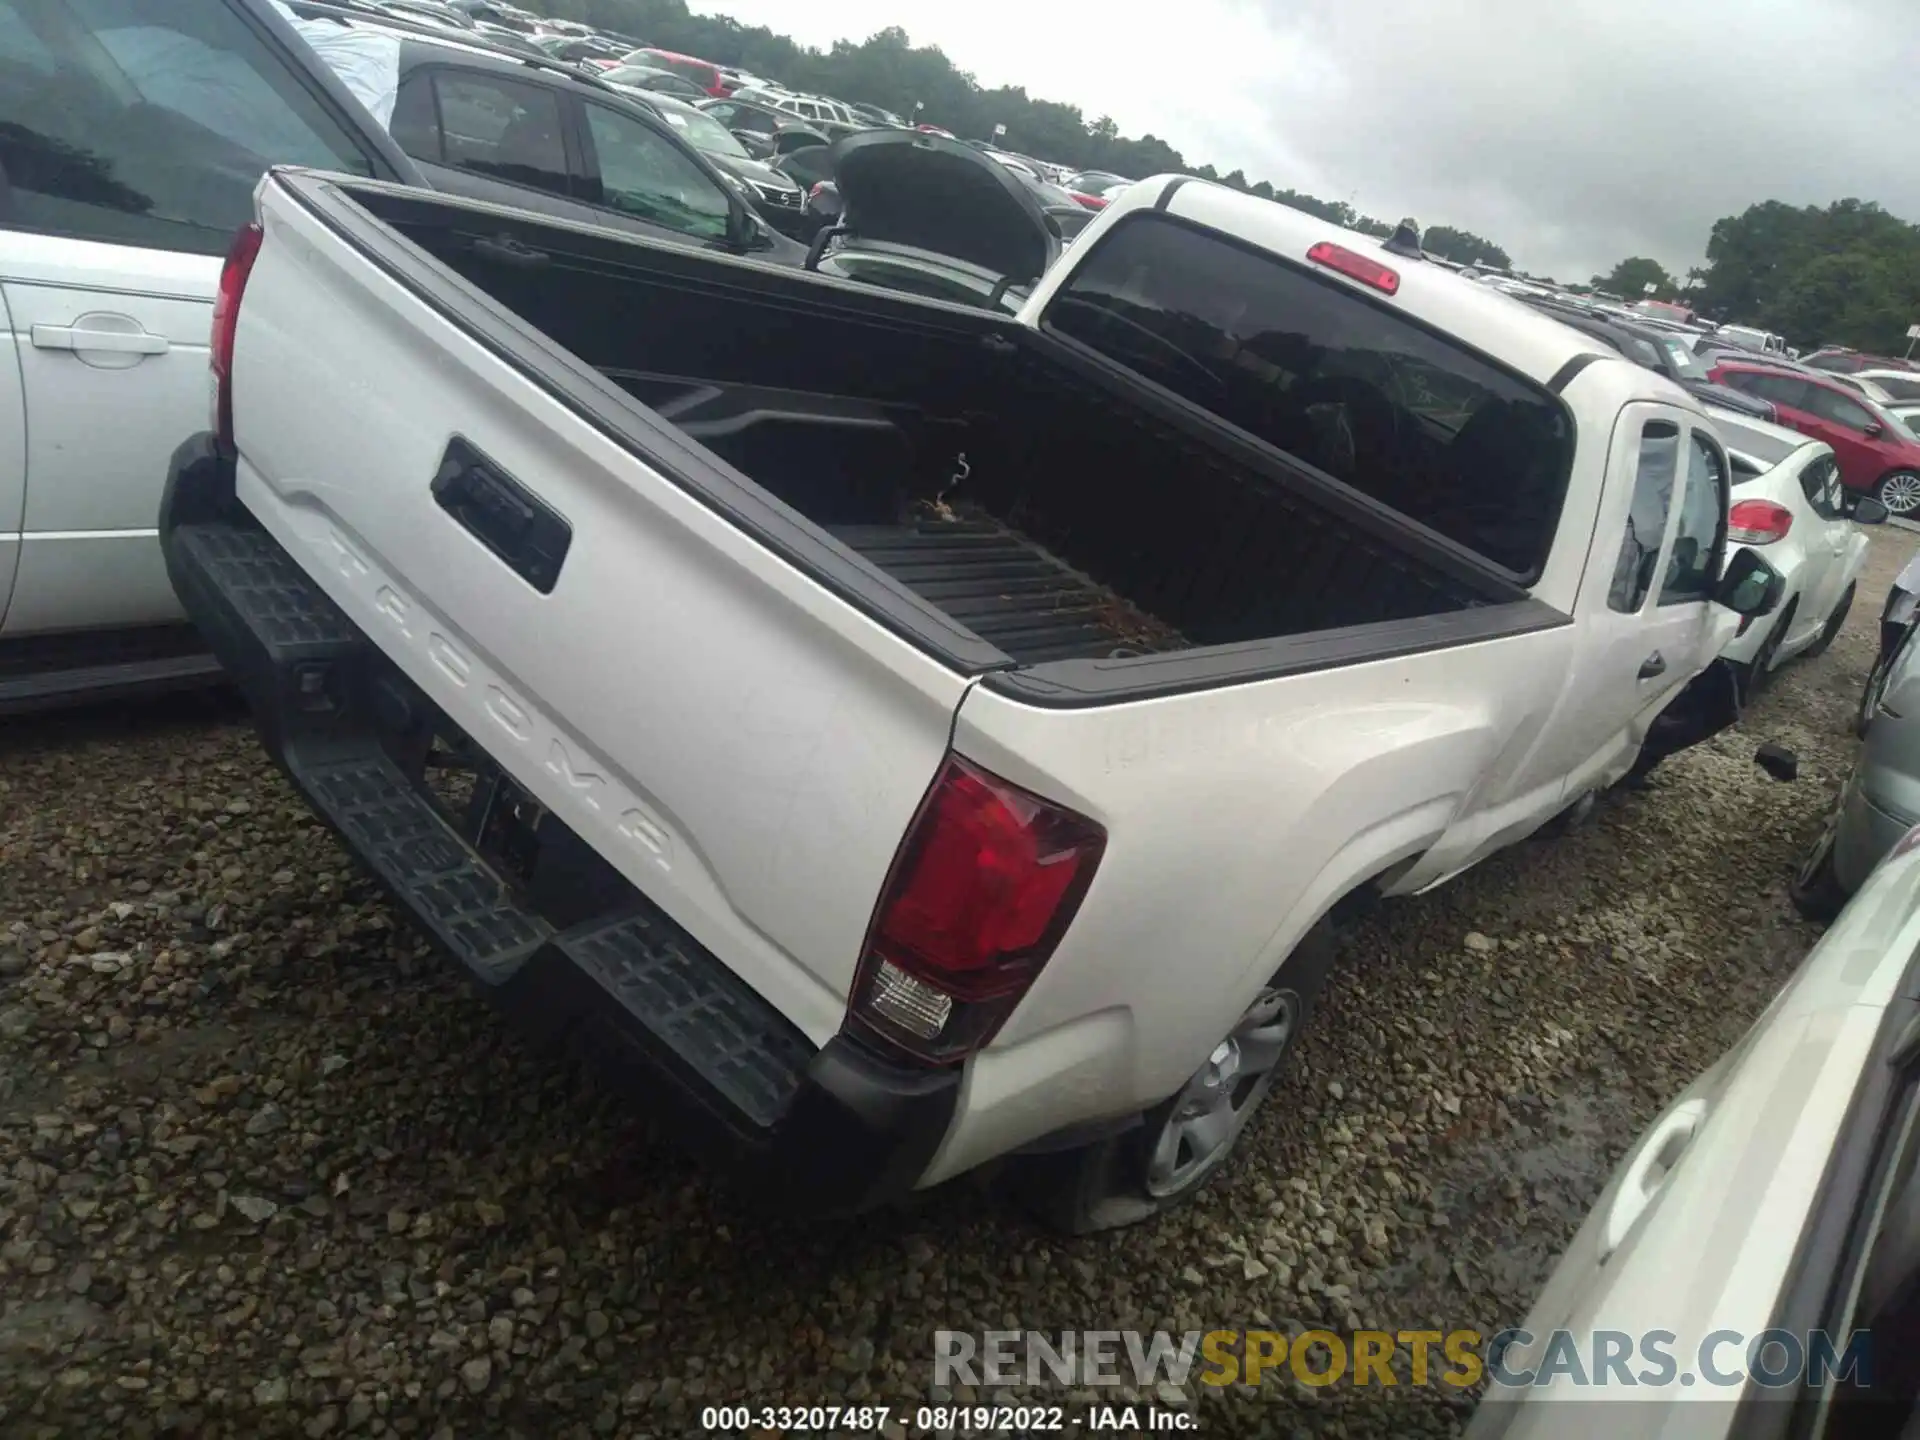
column 226, row 319
column 984, row 885
column 1355, row 266
column 1758, row 522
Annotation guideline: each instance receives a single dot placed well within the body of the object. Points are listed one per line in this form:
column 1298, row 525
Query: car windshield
column 1685, row 363
column 703, row 132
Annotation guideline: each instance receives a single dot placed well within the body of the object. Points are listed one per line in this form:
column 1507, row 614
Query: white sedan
column 1789, row 504
column 1750, row 1270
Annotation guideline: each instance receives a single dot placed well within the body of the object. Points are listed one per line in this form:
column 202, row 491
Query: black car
column 540, row 136
column 778, row 198
column 753, row 124
column 655, row 82
column 1662, row 352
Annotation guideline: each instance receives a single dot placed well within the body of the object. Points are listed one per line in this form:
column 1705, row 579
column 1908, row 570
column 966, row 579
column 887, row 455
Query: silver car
column 1880, row 800
column 1767, row 1218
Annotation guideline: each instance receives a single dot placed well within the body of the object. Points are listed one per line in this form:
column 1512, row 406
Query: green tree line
column 889, row 70
column 1848, row 274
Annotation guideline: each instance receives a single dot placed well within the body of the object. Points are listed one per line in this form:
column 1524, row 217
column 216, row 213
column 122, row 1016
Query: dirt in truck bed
column 1008, row 590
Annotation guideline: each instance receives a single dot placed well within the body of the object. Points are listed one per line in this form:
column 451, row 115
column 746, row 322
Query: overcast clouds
column 1572, row 133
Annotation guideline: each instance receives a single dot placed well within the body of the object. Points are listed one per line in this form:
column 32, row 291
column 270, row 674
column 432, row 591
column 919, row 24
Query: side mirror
column 818, row 249
column 1874, row 430
column 1751, row 586
column 1867, row 511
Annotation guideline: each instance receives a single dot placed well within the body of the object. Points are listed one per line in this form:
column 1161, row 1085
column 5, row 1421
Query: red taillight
column 226, row 319
column 983, row 887
column 1355, row 266
column 1091, row 202
column 1758, row 522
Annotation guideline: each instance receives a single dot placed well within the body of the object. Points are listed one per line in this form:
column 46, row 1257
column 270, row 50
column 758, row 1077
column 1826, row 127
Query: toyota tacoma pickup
column 896, row 736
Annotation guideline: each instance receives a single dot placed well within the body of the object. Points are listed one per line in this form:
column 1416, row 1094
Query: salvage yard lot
column 268, row 1164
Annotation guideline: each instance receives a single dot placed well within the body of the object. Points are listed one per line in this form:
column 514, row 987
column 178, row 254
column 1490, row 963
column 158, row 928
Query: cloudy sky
column 1572, row 133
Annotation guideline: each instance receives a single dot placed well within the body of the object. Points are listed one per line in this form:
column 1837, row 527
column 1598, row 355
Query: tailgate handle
column 527, row 535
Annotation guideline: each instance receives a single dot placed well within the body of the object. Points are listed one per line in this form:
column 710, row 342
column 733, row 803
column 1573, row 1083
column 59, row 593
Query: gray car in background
column 1880, row 800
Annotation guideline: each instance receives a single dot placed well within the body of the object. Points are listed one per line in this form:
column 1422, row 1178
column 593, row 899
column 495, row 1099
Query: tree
column 1848, row 274
column 1631, row 277
column 1463, row 247
column 889, row 70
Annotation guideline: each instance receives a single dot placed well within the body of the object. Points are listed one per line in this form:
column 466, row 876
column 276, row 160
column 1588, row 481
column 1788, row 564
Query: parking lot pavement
column 267, row 1166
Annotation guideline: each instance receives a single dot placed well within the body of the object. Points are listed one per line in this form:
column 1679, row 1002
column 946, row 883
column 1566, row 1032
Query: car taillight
column 1355, row 266
column 226, row 319
column 984, row 885
column 1758, row 522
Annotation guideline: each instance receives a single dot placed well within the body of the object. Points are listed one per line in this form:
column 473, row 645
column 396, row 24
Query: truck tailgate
column 740, row 742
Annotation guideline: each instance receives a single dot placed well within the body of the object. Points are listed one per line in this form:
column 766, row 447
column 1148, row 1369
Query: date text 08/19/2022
column 943, row 1420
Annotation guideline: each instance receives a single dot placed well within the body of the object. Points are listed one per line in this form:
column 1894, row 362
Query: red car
column 703, row 73
column 1877, row 453
column 1851, row 362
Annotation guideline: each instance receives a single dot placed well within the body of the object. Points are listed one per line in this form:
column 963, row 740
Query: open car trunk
column 1018, row 484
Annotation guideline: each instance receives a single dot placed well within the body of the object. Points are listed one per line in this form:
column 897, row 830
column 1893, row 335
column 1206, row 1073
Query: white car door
column 1647, row 625
column 112, row 346
column 108, row 267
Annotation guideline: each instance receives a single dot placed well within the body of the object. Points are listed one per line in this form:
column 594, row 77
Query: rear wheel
column 1871, row 692
column 1832, row 627
column 1900, row 491
column 1761, row 668
column 1816, row 891
column 1186, row 1139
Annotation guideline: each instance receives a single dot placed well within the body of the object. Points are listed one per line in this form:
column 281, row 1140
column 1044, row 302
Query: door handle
column 1654, row 664
column 79, row 337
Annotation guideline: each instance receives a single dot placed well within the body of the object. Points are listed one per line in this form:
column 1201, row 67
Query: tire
column 1870, row 694
column 1815, row 890
column 1899, row 491
column 1151, row 1168
column 1760, row 670
column 1832, row 627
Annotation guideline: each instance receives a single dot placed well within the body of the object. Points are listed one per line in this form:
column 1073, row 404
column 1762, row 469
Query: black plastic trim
column 1078, row 684
column 1165, row 197
column 1563, row 377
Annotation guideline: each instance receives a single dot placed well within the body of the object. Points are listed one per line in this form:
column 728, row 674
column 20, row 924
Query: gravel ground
column 268, row 1167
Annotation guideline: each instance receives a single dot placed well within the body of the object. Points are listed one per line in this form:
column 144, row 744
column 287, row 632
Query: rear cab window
column 141, row 124
column 1355, row 389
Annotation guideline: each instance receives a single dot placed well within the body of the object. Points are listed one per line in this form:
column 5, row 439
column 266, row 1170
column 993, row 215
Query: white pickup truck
column 909, row 736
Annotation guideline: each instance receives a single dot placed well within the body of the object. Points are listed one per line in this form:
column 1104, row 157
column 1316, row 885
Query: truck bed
column 1009, row 591
column 1032, row 501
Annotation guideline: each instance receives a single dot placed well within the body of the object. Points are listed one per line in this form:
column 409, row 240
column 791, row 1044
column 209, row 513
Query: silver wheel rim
column 1213, row 1107
column 1901, row 493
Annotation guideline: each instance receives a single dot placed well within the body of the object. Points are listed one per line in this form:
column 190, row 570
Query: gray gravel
column 267, row 1167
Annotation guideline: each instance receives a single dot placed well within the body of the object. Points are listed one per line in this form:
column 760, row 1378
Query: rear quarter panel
column 1235, row 819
